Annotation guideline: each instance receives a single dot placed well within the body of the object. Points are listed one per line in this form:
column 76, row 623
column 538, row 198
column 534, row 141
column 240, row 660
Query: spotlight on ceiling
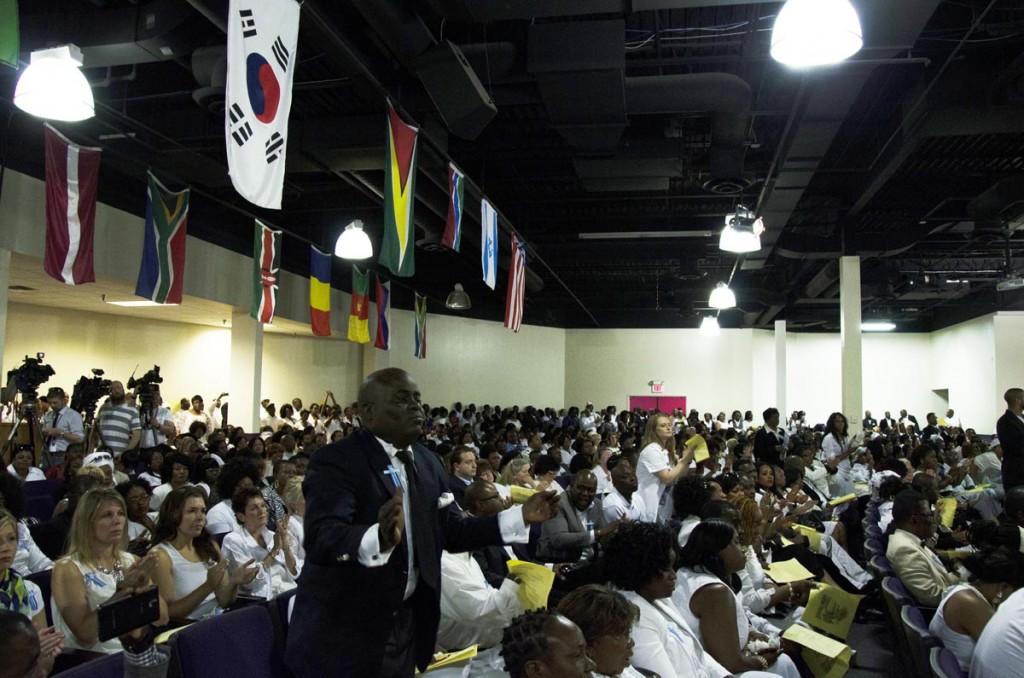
column 53, row 86
column 722, row 297
column 709, row 326
column 742, row 232
column 458, row 300
column 353, row 243
column 816, row 33
column 877, row 326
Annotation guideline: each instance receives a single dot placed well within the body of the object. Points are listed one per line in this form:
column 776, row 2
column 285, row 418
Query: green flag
column 9, row 32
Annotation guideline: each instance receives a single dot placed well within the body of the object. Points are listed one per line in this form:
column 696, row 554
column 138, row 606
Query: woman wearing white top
column 23, row 466
column 175, row 471
column 838, row 447
column 295, row 502
column 966, row 609
column 272, row 551
column 192, row 576
column 96, row 566
column 657, row 467
column 237, row 474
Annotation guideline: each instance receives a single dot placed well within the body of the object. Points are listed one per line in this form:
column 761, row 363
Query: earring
column 998, row 598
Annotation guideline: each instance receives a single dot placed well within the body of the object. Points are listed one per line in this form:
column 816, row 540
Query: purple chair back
column 919, row 639
column 944, row 664
column 236, row 643
column 111, row 666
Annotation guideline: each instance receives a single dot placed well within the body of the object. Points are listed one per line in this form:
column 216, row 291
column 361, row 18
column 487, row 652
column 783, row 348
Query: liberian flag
column 163, row 245
column 421, row 326
column 266, row 260
column 319, row 292
column 359, row 311
column 489, row 243
column 72, row 174
column 396, row 252
column 516, row 285
column 262, row 36
column 383, row 338
column 453, row 226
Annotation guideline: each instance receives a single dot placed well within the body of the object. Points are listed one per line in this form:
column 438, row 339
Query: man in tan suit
column 916, row 565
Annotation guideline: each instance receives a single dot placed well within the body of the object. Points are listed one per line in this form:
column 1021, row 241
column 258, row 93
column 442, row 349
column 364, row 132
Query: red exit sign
column 657, row 387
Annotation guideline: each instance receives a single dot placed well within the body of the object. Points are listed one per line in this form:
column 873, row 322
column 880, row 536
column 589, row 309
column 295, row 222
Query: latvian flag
column 262, row 37
column 453, row 226
column 163, row 245
column 396, row 252
column 516, row 285
column 383, row 338
column 319, row 292
column 72, row 175
column 421, row 327
column 359, row 312
column 266, row 261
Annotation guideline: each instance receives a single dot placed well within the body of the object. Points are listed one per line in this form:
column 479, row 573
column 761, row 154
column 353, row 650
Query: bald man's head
column 390, row 407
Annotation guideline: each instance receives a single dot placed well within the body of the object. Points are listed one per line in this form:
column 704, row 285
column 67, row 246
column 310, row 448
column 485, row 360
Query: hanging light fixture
column 458, row 300
column 742, row 232
column 54, row 87
column 722, row 297
column 709, row 326
column 353, row 243
column 816, row 32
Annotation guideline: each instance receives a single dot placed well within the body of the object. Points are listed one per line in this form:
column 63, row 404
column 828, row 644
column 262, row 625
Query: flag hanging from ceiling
column 266, row 260
column 383, row 338
column 359, row 311
column 453, row 226
column 72, row 174
column 319, row 292
column 262, row 36
column 421, row 327
column 163, row 245
column 9, row 33
column 489, row 243
column 399, row 244
column 516, row 285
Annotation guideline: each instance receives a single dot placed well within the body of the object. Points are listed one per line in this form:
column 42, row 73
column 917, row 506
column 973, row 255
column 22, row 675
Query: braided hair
column 525, row 639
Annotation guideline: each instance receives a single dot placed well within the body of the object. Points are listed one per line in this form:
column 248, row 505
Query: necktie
column 416, row 519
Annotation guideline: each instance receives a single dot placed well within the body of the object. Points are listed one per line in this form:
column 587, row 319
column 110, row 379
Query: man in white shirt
column 988, row 466
column 61, row 426
column 157, row 425
column 623, row 501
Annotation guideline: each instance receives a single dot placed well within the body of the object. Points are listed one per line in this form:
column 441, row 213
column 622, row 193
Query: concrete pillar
column 780, row 369
column 246, row 371
column 850, row 340
column 5, row 280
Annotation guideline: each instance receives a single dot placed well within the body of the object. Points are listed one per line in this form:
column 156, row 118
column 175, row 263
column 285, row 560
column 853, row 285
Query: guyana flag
column 396, row 253
column 359, row 312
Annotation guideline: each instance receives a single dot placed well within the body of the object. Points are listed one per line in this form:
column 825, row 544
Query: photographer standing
column 61, row 426
column 157, row 422
column 117, row 426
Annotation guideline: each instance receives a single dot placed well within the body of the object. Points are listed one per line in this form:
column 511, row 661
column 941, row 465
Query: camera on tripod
column 144, row 388
column 87, row 393
column 28, row 377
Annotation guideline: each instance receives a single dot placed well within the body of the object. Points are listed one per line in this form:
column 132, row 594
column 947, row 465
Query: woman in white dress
column 658, row 468
column 23, row 466
column 966, row 609
column 837, row 447
column 192, row 576
column 96, row 566
column 271, row 551
column 606, row 619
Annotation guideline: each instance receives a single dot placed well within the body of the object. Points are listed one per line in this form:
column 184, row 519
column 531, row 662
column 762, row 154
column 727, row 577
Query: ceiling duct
column 999, row 205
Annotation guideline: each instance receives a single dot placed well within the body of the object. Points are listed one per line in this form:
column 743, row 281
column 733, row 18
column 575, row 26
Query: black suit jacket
column 764, row 447
column 1010, row 431
column 343, row 610
column 493, row 561
column 458, row 489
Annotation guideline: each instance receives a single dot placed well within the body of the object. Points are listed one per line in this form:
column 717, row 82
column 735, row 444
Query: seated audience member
column 713, row 611
column 566, row 537
column 192, row 576
column 140, row 525
column 204, row 476
column 965, row 609
column 544, row 644
column 916, row 565
column 28, row 557
column 176, row 469
column 887, row 492
column 23, row 465
column 640, row 559
column 52, row 537
column 1000, row 649
column 295, row 502
column 623, row 502
column 688, row 496
column 153, row 462
column 545, row 469
column 988, row 465
column 238, row 474
column 484, row 499
column 461, row 471
column 272, row 551
column 73, row 460
column 104, row 462
column 94, row 566
column 284, row 470
column 27, row 652
column 606, row 619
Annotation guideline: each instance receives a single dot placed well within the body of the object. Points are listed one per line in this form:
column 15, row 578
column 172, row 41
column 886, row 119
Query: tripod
column 26, row 412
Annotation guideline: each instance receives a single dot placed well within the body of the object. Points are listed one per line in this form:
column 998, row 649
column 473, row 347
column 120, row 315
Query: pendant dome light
column 458, row 300
column 816, row 32
column 53, row 86
column 353, row 243
column 709, row 327
column 722, row 297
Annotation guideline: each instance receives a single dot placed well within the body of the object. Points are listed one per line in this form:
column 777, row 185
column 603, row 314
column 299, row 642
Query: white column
column 246, row 371
column 850, row 340
column 5, row 280
column 780, row 369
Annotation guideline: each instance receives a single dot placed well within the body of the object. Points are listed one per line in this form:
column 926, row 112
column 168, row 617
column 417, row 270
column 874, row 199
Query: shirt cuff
column 513, row 527
column 370, row 554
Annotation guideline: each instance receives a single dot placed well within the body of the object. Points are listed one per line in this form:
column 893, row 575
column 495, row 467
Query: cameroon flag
column 359, row 312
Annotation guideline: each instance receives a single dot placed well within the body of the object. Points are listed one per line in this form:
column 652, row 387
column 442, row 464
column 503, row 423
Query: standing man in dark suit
column 368, row 599
column 768, row 441
column 1010, row 431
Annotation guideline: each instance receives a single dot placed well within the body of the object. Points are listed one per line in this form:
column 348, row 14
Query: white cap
column 994, row 443
column 99, row 459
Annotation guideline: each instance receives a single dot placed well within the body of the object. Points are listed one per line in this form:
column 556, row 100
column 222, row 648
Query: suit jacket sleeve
column 333, row 528
column 562, row 533
column 922, row 577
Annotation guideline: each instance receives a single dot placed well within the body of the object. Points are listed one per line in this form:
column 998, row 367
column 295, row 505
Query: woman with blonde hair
column 295, row 502
column 658, row 468
column 97, row 564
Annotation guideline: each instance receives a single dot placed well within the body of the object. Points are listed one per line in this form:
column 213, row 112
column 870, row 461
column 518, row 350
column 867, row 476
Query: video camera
column 87, row 392
column 144, row 388
column 28, row 377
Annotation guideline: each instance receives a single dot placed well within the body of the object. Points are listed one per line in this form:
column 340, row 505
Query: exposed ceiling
column 596, row 117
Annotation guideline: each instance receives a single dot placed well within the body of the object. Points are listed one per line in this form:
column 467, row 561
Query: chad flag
column 319, row 292
column 359, row 313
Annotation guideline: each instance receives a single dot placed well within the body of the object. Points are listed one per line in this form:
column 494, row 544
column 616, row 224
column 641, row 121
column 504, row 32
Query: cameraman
column 160, row 426
column 61, row 426
column 117, row 425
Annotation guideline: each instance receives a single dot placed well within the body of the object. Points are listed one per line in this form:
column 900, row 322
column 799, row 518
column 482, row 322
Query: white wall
column 963, row 361
column 1009, row 357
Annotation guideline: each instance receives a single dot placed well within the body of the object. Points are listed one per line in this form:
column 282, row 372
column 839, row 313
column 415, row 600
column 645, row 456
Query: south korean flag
column 262, row 36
